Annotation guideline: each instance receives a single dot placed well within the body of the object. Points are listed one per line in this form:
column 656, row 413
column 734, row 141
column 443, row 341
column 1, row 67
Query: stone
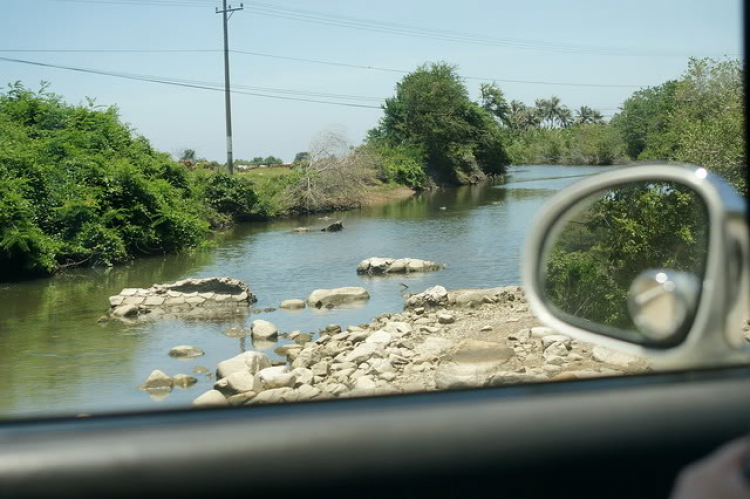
column 273, row 377
column 554, row 360
column 157, row 381
column 607, row 356
column 396, row 266
column 381, row 337
column 240, row 399
column 275, row 395
column 320, row 368
column 365, row 383
column 512, row 378
column 303, row 376
column 556, row 349
column 211, row 398
column 184, row 381
column 303, row 338
column 185, row 351
column 334, row 227
column 236, row 332
column 434, row 296
column 485, row 329
column 301, row 230
column 364, row 351
column 125, row 311
column 308, row 392
column 337, row 296
column 283, row 351
column 335, row 389
column 435, row 347
column 446, row 318
column 292, row 304
column 238, row 382
column 556, row 338
column 540, row 332
column 263, row 330
column 471, row 363
column 251, row 362
column 200, row 369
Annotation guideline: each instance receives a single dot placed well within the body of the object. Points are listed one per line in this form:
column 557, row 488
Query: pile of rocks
column 378, row 266
column 213, row 297
column 483, row 337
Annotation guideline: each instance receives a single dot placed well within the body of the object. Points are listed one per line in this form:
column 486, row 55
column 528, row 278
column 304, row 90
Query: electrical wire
column 322, row 62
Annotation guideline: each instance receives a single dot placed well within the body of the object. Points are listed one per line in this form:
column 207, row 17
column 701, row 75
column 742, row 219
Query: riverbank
column 441, row 340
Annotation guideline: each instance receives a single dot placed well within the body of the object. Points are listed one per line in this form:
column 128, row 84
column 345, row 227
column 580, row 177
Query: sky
column 587, row 52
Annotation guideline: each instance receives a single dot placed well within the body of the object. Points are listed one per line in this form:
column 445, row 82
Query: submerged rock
column 338, row 296
column 185, row 351
column 334, row 227
column 158, row 381
column 210, row 298
column 264, row 330
column 292, row 304
column 184, row 381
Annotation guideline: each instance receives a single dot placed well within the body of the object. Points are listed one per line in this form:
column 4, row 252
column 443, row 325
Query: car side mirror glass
column 628, row 261
column 649, row 260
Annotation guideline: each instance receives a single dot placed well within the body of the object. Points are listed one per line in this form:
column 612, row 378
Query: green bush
column 79, row 187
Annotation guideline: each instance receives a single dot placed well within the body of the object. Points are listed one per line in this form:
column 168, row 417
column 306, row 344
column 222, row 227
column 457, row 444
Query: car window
column 355, row 225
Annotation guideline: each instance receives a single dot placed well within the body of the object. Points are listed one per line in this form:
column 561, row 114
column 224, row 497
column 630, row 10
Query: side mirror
column 651, row 260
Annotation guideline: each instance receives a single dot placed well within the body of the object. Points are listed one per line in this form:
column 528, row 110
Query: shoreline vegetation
column 80, row 188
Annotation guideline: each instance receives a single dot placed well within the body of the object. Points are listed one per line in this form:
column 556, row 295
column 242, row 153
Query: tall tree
column 493, row 101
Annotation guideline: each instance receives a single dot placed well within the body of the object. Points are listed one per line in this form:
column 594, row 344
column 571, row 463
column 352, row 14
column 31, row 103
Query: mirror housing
column 712, row 330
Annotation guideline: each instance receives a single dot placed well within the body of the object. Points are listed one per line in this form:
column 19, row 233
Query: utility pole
column 227, row 98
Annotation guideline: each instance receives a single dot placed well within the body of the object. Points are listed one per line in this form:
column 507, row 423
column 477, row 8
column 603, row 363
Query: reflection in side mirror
column 662, row 302
column 596, row 253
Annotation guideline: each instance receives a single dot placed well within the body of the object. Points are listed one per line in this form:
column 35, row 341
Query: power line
column 322, row 62
column 185, row 83
column 440, row 34
column 338, row 20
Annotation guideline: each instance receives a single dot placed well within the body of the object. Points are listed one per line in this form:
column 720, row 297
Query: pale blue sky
column 172, row 117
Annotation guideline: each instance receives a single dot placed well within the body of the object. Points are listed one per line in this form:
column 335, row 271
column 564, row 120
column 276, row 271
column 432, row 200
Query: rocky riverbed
column 441, row 340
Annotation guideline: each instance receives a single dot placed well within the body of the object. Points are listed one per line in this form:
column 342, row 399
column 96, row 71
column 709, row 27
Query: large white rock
column 238, row 382
column 472, row 363
column 275, row 395
column 338, row 296
column 613, row 357
column 264, row 330
column 381, row 337
column 364, row 351
column 251, row 362
column 210, row 398
column 273, row 377
column 554, row 338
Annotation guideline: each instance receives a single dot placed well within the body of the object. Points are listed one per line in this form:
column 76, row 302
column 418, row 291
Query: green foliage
column 595, row 144
column 603, row 248
column 697, row 119
column 400, row 165
column 432, row 112
column 79, row 187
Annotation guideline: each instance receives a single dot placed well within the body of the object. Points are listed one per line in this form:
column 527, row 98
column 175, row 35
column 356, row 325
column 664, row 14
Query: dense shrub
column 77, row 186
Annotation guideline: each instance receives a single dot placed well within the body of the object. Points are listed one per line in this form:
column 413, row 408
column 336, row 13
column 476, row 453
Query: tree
column 272, row 160
column 493, row 101
column 565, row 116
column 432, row 112
column 301, row 156
column 333, row 177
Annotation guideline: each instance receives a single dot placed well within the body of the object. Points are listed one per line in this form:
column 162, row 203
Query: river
column 56, row 359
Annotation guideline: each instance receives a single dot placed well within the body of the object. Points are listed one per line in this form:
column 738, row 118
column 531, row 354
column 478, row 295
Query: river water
column 56, row 359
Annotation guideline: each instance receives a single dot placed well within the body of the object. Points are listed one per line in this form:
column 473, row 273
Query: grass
column 265, row 173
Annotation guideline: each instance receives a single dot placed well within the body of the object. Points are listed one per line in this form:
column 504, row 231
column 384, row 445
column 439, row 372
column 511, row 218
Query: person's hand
column 718, row 475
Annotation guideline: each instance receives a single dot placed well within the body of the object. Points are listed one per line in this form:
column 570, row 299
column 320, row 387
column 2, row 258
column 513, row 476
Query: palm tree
column 565, row 116
column 542, row 108
column 553, row 109
column 515, row 114
column 585, row 115
column 597, row 117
